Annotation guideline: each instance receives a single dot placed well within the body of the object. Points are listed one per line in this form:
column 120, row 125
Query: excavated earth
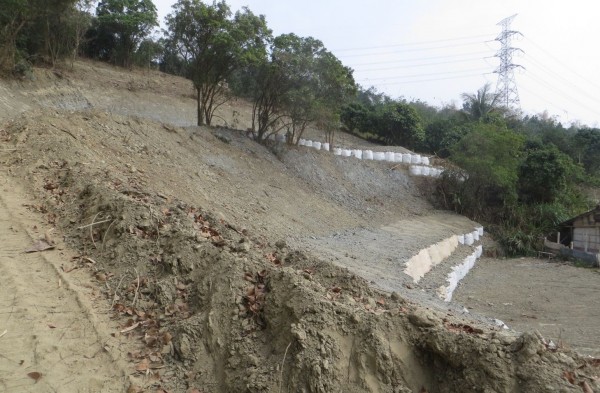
column 171, row 258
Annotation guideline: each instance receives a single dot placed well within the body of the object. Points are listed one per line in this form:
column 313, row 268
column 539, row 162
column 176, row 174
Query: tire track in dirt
column 44, row 327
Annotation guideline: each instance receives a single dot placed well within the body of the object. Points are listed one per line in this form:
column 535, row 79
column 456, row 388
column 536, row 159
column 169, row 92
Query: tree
column 14, row 14
column 481, row 105
column 585, row 147
column 545, row 174
column 317, row 83
column 213, row 45
column 441, row 135
column 489, row 158
column 128, row 22
column 299, row 83
column 148, row 53
column 32, row 29
column 81, row 21
column 401, row 125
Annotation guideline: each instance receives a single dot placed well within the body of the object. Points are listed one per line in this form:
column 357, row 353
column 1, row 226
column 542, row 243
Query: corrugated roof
column 570, row 221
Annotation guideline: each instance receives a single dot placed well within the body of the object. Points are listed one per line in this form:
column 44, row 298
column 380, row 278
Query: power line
column 413, row 50
column 424, row 58
column 429, row 80
column 562, row 93
column 563, row 64
column 553, row 74
column 411, row 43
column 431, row 74
column 543, row 99
column 420, row 65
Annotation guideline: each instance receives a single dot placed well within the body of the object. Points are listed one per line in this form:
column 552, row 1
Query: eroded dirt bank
column 181, row 233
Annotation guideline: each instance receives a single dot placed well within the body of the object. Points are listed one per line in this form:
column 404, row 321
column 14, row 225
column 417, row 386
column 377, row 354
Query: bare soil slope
column 189, row 236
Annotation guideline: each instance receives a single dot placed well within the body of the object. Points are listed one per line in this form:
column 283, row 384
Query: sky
column 435, row 50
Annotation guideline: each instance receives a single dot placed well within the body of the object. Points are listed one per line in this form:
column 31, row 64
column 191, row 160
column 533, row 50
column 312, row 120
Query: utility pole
column 506, row 87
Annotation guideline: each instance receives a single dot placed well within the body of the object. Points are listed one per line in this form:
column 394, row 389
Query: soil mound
column 184, row 229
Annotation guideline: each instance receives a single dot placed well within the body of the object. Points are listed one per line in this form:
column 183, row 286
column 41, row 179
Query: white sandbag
column 389, row 156
column 480, row 230
column 479, row 251
column 469, row 239
column 461, row 239
column 337, row 151
column 367, row 155
column 325, row 146
column 425, row 171
column 357, row 153
column 308, row 143
column 301, row 142
column 379, row 156
column 415, row 159
column 398, row 157
column 415, row 170
column 406, row 158
column 346, row 152
column 317, row 145
column 475, row 235
column 425, row 160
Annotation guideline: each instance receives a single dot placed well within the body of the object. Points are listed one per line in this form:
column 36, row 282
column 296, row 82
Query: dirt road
column 47, row 341
column 559, row 300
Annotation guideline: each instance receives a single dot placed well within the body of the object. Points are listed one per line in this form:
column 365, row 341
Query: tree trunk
column 199, row 107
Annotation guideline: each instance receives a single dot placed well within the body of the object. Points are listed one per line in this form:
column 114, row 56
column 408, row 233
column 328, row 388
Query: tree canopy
column 213, row 44
column 128, row 22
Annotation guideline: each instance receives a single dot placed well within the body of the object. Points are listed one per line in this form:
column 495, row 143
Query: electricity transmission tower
column 506, row 87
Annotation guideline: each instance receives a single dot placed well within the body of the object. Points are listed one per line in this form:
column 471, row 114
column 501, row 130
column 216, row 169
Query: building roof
column 570, row 221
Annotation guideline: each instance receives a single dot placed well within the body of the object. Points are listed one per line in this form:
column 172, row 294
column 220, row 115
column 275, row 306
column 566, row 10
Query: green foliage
column 585, row 147
column 481, row 106
column 300, row 82
column 34, row 30
column 545, row 174
column 491, row 156
column 212, row 45
column 317, row 82
column 441, row 135
column 520, row 190
column 388, row 121
column 399, row 124
column 356, row 117
column 128, row 22
column 148, row 53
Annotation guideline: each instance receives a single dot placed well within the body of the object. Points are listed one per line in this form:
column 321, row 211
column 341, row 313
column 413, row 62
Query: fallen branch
column 116, row 292
column 106, row 233
column 282, row 363
column 3, row 333
column 137, row 289
column 68, row 132
column 130, row 328
column 94, row 223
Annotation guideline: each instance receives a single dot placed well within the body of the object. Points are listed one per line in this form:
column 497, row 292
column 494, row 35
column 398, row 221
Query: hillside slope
column 213, row 250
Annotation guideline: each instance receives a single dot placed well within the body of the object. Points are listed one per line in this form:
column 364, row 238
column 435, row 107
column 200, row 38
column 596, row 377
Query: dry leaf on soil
column 143, row 365
column 130, row 328
column 586, row 387
column 36, row 376
column 569, row 376
column 40, row 245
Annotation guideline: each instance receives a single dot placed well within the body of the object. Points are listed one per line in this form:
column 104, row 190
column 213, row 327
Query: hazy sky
column 434, row 50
